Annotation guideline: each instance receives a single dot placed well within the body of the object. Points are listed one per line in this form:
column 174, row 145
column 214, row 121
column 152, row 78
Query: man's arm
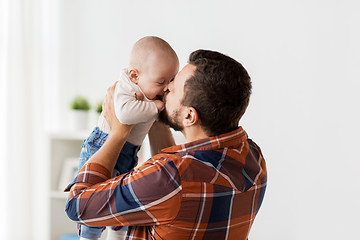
column 149, row 195
column 160, row 137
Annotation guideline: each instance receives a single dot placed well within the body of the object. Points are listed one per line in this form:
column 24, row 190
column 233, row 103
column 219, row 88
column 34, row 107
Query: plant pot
column 79, row 119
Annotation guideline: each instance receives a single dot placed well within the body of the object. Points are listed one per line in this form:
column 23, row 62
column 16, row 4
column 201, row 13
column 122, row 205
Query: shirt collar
column 228, row 140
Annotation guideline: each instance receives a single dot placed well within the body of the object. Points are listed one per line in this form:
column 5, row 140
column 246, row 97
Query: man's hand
column 109, row 111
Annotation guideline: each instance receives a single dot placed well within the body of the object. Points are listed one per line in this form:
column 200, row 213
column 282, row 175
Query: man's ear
column 191, row 117
column 134, row 75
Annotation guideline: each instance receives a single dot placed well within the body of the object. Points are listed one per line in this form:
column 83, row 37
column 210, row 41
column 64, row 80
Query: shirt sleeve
column 131, row 111
column 149, row 195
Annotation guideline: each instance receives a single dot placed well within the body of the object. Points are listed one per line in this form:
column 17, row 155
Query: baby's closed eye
column 160, row 83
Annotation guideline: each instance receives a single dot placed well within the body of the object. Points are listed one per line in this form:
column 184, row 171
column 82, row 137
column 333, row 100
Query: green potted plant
column 80, row 103
column 99, row 107
column 79, row 113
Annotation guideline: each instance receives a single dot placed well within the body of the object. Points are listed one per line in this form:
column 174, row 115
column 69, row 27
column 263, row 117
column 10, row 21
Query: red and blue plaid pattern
column 207, row 189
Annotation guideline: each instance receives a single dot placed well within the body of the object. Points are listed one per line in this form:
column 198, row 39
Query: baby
column 152, row 64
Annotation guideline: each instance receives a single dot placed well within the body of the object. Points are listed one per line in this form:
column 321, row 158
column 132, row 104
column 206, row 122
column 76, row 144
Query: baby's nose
column 166, row 87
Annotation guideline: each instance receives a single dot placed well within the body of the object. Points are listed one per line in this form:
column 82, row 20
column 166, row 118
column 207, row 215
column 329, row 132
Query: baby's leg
column 127, row 160
column 116, row 235
column 90, row 233
column 90, row 146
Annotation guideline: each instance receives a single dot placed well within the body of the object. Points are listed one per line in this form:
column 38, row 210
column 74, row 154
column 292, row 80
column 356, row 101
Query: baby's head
column 152, row 64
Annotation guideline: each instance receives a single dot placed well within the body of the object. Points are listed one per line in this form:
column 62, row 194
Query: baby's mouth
column 158, row 97
column 163, row 98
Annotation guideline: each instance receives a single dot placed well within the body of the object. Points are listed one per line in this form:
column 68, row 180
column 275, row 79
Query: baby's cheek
column 159, row 91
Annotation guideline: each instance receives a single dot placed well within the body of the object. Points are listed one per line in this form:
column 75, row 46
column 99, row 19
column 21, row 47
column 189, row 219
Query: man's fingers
column 109, row 98
column 111, row 89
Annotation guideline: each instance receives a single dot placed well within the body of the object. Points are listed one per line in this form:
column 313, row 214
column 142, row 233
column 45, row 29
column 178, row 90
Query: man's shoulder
column 166, row 157
column 175, row 160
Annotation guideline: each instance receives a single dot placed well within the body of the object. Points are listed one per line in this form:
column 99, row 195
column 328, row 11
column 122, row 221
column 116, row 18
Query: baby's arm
column 131, row 111
column 159, row 104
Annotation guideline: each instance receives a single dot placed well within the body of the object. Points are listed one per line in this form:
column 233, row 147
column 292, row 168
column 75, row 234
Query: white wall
column 303, row 57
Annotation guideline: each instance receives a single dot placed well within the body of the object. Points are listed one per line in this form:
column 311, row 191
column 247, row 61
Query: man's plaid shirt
column 207, row 189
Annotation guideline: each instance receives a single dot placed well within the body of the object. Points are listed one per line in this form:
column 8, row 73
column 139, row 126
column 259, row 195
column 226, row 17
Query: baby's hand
column 139, row 96
column 159, row 105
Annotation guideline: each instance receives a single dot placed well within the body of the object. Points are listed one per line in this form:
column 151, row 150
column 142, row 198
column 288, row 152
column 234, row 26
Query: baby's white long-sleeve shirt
column 131, row 111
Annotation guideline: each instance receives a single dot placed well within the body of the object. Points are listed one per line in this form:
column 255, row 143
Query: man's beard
column 170, row 121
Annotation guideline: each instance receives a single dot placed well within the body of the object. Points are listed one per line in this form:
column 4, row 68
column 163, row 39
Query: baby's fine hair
column 146, row 46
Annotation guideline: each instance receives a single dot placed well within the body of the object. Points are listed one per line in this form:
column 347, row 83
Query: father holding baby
column 209, row 188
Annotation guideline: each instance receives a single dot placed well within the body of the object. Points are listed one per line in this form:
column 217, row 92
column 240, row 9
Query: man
column 209, row 188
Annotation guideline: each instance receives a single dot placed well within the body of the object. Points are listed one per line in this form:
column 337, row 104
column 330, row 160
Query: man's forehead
column 185, row 73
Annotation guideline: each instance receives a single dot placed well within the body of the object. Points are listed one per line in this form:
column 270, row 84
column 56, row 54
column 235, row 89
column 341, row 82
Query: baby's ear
column 134, row 75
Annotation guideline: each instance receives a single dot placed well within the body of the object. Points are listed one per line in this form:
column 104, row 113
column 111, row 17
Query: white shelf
column 62, row 145
column 59, row 195
column 69, row 135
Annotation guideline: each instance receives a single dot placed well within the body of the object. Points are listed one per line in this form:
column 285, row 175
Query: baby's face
column 154, row 81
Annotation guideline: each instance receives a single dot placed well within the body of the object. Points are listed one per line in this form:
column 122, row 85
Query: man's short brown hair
column 219, row 90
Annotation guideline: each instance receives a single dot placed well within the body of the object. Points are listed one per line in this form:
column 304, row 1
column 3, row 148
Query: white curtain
column 16, row 121
column 3, row 122
column 25, row 78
